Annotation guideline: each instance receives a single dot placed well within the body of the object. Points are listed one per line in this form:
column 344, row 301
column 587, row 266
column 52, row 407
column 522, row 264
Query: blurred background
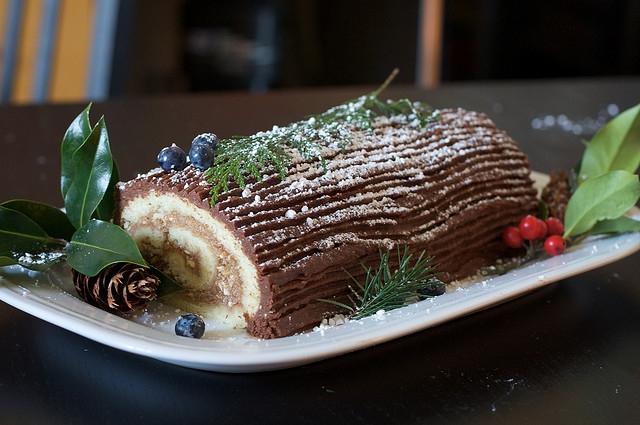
column 73, row 50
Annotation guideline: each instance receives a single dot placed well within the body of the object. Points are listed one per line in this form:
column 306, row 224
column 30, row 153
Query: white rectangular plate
column 51, row 297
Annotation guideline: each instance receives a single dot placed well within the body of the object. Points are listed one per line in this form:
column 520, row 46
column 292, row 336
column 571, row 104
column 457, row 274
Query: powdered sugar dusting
column 398, row 183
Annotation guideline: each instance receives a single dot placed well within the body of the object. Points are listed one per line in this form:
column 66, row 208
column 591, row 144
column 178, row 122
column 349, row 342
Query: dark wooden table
column 565, row 354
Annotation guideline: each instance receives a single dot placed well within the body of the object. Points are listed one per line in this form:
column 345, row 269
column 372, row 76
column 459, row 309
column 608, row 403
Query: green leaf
column 7, row 261
column 619, row 225
column 605, row 197
column 616, row 146
column 51, row 219
column 20, row 234
column 75, row 135
column 107, row 205
column 99, row 244
column 93, row 166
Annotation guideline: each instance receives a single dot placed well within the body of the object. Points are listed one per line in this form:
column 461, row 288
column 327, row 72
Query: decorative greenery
column 7, row 261
column 605, row 187
column 387, row 288
column 20, row 234
column 616, row 146
column 241, row 157
column 35, row 235
column 107, row 205
column 617, row 225
column 604, row 197
column 99, row 244
column 92, row 169
column 73, row 138
column 91, row 176
column 51, row 219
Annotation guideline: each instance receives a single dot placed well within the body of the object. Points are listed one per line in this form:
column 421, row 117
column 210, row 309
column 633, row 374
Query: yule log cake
column 262, row 256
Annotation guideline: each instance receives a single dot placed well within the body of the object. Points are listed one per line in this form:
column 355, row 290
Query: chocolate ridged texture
column 448, row 189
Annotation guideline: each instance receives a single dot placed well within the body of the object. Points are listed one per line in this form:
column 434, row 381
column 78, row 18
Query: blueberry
column 202, row 154
column 172, row 158
column 190, row 325
column 206, row 138
column 433, row 288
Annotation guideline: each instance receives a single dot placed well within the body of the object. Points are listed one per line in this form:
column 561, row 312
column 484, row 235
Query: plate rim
column 190, row 354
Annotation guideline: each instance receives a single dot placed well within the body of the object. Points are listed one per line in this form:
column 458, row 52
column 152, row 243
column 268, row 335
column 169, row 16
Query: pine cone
column 556, row 194
column 120, row 287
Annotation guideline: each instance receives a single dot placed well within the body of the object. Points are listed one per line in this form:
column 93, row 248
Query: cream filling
column 197, row 250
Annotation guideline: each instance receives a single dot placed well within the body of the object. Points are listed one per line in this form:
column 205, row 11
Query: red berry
column 554, row 226
column 554, row 245
column 511, row 237
column 543, row 229
column 532, row 228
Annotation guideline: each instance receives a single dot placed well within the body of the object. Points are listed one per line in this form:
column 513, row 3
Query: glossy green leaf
column 99, row 244
column 616, row 146
column 619, row 225
column 51, row 219
column 73, row 138
column 605, row 197
column 107, row 205
column 93, row 166
column 19, row 234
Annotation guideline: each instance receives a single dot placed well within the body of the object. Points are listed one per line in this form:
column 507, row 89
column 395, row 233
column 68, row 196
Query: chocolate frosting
column 448, row 189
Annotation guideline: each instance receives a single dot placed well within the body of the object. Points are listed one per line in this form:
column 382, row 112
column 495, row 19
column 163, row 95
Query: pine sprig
column 385, row 288
column 241, row 157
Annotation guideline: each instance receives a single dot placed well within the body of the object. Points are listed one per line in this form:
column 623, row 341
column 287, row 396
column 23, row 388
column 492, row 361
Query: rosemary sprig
column 385, row 288
column 241, row 157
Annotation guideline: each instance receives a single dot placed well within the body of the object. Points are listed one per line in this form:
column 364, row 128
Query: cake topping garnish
column 434, row 288
column 605, row 184
column 202, row 152
column 206, row 139
column 512, row 238
column 554, row 226
column 592, row 199
column 532, row 228
column 241, row 158
column 529, row 234
column 122, row 287
column 554, row 245
column 172, row 158
column 190, row 325
column 109, row 271
column 390, row 286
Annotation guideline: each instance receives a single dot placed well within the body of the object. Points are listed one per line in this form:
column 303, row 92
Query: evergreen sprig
column 387, row 288
column 241, row 157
